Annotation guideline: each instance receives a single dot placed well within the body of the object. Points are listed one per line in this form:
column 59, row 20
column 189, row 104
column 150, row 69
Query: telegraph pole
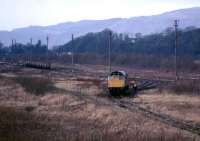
column 72, row 53
column 47, row 40
column 12, row 46
column 109, row 51
column 12, row 43
column 15, row 43
column 31, row 41
column 47, row 55
column 15, row 46
column 176, row 47
column 31, row 57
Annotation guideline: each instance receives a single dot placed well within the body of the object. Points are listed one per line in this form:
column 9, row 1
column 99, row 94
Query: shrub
column 186, row 86
column 37, row 86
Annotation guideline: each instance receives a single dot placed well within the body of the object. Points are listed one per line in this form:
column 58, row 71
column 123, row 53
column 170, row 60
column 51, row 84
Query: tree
column 1, row 45
column 189, row 28
column 168, row 31
column 1, row 48
column 138, row 35
column 39, row 43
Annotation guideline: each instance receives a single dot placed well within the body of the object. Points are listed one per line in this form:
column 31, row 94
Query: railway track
column 131, row 106
column 189, row 126
column 145, row 84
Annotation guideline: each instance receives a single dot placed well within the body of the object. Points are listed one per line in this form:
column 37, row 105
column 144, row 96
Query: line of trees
column 161, row 43
column 24, row 52
column 18, row 48
column 152, row 51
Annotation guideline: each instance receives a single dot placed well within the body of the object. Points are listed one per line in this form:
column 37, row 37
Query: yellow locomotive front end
column 118, row 83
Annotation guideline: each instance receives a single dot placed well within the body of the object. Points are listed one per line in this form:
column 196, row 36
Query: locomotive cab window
column 118, row 75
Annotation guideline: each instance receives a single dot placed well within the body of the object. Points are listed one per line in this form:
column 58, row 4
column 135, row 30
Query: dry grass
column 19, row 126
column 62, row 117
column 67, row 117
column 22, row 126
column 185, row 107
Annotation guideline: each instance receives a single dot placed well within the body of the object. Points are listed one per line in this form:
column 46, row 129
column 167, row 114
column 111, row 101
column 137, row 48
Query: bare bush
column 37, row 86
column 186, row 86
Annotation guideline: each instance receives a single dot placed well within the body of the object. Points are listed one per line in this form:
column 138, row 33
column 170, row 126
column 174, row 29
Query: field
column 57, row 105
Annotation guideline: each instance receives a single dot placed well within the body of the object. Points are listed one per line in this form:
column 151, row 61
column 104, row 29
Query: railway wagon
column 118, row 84
column 38, row 65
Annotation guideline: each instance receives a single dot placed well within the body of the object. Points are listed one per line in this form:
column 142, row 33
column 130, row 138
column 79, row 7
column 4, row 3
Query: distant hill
column 61, row 33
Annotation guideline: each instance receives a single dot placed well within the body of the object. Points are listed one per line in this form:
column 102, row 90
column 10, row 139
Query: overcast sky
column 21, row 13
